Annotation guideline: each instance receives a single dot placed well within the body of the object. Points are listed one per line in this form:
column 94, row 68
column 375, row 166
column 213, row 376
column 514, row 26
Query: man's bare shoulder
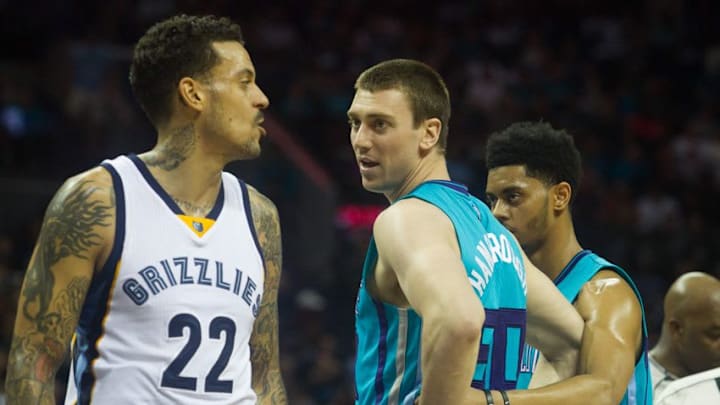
column 607, row 281
column 80, row 219
column 91, row 192
column 96, row 177
column 260, row 203
column 410, row 223
column 608, row 295
column 411, row 213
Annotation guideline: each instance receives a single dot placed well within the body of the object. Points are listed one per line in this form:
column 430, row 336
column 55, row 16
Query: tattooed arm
column 266, row 378
column 76, row 234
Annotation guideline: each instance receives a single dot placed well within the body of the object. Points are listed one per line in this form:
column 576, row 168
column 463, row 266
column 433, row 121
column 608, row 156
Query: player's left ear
column 191, row 93
column 562, row 192
column 431, row 134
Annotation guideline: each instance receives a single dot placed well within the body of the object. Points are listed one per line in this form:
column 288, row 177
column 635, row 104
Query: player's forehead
column 390, row 103
column 502, row 177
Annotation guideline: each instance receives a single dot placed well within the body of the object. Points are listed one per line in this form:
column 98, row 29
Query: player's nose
column 500, row 211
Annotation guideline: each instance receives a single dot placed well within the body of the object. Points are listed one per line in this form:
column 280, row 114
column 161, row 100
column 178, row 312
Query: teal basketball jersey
column 579, row 271
column 387, row 368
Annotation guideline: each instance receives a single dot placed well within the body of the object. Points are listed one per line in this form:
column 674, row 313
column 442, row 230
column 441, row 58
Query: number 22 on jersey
column 220, row 328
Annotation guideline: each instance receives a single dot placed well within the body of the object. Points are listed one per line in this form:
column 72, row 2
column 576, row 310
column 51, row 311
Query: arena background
column 638, row 85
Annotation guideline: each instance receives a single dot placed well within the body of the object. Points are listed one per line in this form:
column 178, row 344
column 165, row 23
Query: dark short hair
column 180, row 46
column 426, row 91
column 548, row 154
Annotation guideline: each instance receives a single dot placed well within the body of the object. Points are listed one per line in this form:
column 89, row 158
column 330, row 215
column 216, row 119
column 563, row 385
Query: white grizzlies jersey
column 169, row 318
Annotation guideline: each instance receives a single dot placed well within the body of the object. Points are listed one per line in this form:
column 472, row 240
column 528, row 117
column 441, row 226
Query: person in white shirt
column 685, row 363
column 695, row 389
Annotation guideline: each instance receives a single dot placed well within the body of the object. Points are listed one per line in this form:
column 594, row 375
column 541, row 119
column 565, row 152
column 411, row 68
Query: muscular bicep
column 76, row 233
column 266, row 378
column 417, row 242
column 613, row 333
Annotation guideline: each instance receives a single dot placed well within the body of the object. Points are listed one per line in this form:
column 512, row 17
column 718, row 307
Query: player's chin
column 377, row 190
column 248, row 151
column 370, row 185
column 254, row 151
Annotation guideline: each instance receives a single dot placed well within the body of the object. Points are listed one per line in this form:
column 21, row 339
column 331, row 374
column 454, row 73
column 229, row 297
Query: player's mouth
column 366, row 164
column 259, row 119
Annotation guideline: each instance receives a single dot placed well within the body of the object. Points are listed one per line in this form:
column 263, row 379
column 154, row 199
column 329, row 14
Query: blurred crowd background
column 636, row 83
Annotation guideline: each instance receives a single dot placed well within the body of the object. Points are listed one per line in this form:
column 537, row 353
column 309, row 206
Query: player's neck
column 557, row 250
column 433, row 167
column 193, row 177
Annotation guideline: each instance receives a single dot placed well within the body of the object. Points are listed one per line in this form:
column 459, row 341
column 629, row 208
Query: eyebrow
column 504, row 190
column 245, row 72
column 511, row 187
column 372, row 115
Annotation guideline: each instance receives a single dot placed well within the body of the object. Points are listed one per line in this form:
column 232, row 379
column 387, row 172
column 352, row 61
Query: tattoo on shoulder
column 265, row 218
column 69, row 229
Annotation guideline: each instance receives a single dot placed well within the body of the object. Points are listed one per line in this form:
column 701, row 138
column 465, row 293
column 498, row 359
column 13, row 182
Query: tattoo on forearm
column 34, row 353
column 174, row 152
column 69, row 229
column 264, row 345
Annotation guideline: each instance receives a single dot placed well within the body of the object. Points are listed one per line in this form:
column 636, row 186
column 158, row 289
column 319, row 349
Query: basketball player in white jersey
column 162, row 268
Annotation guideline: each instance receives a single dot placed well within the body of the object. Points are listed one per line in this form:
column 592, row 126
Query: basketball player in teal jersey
column 533, row 176
column 442, row 301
